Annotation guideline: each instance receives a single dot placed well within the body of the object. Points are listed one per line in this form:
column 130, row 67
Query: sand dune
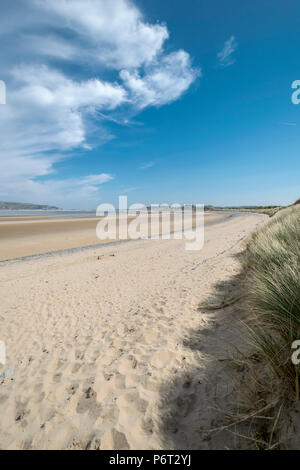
column 107, row 349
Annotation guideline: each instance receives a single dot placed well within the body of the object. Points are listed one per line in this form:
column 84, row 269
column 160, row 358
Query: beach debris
column 7, row 373
column 105, row 256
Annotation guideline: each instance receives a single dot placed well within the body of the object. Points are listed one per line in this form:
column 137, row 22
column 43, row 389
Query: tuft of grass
column 272, row 289
column 268, row 210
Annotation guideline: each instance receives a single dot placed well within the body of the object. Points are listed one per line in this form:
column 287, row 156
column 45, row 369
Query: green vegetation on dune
column 269, row 210
column 272, row 285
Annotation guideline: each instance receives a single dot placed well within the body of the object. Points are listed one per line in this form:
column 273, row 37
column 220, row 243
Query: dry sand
column 107, row 348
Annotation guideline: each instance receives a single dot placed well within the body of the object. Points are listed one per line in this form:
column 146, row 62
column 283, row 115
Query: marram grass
column 272, row 262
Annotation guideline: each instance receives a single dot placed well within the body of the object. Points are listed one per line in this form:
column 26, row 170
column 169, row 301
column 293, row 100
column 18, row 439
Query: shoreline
column 43, row 237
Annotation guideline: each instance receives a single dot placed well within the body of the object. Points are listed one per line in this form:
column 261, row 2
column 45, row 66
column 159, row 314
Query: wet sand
column 24, row 236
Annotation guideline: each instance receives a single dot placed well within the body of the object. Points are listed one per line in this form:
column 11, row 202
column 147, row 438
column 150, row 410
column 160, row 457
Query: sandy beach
column 26, row 236
column 107, row 348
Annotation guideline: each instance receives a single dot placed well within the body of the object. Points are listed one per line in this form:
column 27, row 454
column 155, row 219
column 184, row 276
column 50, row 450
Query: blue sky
column 174, row 101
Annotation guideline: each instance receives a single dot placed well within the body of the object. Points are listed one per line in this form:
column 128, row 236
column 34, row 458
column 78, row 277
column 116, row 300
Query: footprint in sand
column 126, row 364
column 114, row 439
column 161, row 359
column 88, row 403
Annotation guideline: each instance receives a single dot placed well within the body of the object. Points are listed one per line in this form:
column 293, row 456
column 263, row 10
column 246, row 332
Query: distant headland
column 24, row 205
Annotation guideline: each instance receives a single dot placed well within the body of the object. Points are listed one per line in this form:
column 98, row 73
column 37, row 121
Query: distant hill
column 248, row 207
column 24, row 205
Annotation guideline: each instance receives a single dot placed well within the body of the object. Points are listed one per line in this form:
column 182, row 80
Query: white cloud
column 57, row 102
column 81, row 193
column 48, row 87
column 147, row 165
column 163, row 82
column 83, row 190
column 47, row 112
column 225, row 55
column 114, row 30
column 45, row 117
column 49, row 46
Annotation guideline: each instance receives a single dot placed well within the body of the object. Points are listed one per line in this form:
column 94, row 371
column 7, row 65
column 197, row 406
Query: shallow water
column 70, row 213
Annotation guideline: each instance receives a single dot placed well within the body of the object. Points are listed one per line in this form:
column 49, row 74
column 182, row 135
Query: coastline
column 24, row 237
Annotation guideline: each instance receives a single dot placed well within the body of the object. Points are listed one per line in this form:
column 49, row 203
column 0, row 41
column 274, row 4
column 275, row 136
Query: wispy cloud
column 225, row 56
column 54, row 108
column 147, row 165
column 289, row 123
column 64, row 192
column 164, row 81
column 129, row 190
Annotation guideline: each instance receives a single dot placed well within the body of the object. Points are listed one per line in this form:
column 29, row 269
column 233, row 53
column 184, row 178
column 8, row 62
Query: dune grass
column 268, row 210
column 272, row 287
